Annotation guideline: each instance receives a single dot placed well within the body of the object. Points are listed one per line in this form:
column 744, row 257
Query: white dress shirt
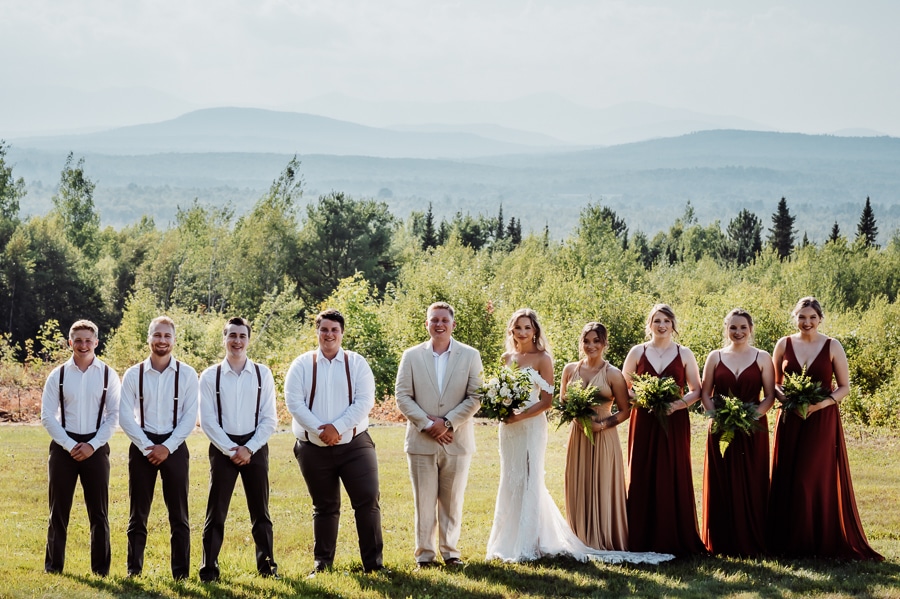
column 238, row 391
column 82, row 392
column 440, row 363
column 331, row 404
column 159, row 404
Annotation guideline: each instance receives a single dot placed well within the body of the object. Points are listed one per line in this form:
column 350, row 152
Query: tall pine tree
column 835, row 232
column 744, row 237
column 781, row 235
column 866, row 231
column 429, row 235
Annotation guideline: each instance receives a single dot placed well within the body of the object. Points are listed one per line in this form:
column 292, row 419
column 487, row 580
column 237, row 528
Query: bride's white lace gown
column 527, row 523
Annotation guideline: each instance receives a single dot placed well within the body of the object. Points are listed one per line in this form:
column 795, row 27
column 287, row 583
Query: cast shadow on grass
column 192, row 587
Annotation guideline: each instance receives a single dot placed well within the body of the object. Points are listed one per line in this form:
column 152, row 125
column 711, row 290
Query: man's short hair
column 330, row 314
column 83, row 325
column 238, row 320
column 161, row 320
column 441, row 306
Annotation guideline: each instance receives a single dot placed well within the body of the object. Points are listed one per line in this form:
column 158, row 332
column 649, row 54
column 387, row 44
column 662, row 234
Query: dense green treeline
column 278, row 265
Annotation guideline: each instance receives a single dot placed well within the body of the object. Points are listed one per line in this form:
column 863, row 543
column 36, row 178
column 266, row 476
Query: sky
column 814, row 66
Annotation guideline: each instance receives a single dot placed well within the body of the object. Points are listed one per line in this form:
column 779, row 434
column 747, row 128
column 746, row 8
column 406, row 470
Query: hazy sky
column 808, row 65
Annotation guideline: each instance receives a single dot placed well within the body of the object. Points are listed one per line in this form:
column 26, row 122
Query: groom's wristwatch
column 448, row 424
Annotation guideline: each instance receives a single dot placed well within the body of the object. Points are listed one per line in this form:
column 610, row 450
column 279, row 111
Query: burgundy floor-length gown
column 662, row 515
column 812, row 510
column 736, row 485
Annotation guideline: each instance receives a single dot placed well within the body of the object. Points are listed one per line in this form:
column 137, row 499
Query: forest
column 283, row 260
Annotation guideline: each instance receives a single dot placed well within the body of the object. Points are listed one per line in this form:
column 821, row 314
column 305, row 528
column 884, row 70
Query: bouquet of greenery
column 578, row 407
column 800, row 392
column 655, row 393
column 732, row 416
column 504, row 391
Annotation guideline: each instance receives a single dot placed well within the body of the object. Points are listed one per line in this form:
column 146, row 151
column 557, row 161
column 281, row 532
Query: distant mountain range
column 152, row 169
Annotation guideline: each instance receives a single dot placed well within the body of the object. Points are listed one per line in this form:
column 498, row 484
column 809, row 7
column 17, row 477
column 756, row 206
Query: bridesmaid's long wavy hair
column 665, row 309
column 808, row 302
column 540, row 339
column 602, row 335
column 736, row 312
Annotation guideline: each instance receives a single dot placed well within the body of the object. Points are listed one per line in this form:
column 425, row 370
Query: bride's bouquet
column 732, row 416
column 800, row 392
column 504, row 391
column 578, row 406
column 655, row 393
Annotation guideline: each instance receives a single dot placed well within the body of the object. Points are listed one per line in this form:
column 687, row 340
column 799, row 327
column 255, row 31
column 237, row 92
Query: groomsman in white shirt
column 237, row 413
column 79, row 408
column 158, row 411
column 330, row 392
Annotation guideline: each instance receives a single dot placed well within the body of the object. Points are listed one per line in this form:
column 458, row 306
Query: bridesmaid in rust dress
column 662, row 514
column 812, row 510
column 736, row 485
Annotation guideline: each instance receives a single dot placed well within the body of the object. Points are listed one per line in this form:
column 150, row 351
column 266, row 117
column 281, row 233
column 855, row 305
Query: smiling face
column 329, row 334
column 161, row 339
column 661, row 325
column 523, row 331
column 83, row 343
column 236, row 340
column 440, row 325
column 807, row 320
column 592, row 346
column 739, row 330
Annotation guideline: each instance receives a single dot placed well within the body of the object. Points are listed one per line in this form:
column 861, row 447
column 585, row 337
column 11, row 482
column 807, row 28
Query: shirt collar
column 149, row 366
column 435, row 354
column 95, row 363
column 248, row 366
column 337, row 358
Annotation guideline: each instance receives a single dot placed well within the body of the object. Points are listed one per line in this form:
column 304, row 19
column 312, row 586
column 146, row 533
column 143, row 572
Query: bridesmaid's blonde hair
column 540, row 339
column 808, row 302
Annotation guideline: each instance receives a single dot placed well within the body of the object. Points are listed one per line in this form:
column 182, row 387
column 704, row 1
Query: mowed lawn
column 875, row 463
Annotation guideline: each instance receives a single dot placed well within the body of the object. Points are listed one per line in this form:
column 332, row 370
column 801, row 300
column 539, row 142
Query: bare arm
column 619, row 388
column 768, row 379
column 712, row 360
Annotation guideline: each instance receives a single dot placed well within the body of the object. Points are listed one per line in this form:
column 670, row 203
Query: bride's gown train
column 527, row 523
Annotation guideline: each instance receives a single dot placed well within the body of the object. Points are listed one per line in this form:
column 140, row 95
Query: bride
column 527, row 523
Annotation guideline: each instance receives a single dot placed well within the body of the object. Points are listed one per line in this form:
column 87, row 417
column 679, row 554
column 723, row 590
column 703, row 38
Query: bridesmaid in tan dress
column 595, row 473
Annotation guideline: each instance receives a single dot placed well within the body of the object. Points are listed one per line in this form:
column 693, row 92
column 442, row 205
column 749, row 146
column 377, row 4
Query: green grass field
column 875, row 463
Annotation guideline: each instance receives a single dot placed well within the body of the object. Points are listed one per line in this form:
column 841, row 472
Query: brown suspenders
column 141, row 393
column 62, row 403
column 312, row 391
column 219, row 393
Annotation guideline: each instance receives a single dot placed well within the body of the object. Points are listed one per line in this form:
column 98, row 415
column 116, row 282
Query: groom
column 436, row 391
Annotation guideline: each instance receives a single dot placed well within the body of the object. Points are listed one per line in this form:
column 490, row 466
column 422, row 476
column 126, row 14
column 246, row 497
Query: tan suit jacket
column 417, row 396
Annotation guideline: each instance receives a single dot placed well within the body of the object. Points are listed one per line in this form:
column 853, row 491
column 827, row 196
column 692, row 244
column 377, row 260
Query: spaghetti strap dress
column 662, row 513
column 595, row 478
column 736, row 485
column 812, row 509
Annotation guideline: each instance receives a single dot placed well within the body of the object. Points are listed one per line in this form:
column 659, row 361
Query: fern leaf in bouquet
column 732, row 416
column 578, row 406
column 800, row 392
column 655, row 393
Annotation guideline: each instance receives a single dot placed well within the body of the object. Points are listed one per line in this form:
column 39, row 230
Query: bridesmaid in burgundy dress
column 736, row 485
column 662, row 514
column 812, row 510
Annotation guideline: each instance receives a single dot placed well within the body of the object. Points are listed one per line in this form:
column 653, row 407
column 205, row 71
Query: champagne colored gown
column 812, row 509
column 595, row 478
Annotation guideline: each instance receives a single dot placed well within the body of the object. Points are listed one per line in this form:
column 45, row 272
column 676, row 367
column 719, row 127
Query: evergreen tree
column 744, row 237
column 805, row 241
column 499, row 230
column 429, row 235
column 443, row 233
column 781, row 237
column 866, row 231
column 514, row 231
column 835, row 232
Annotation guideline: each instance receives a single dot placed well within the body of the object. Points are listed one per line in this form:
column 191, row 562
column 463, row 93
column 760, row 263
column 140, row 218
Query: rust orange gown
column 662, row 514
column 736, row 486
column 812, row 510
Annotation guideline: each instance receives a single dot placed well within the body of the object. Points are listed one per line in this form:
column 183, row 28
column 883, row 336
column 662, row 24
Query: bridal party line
column 639, row 507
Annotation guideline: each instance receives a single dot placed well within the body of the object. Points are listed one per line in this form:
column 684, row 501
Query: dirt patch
column 20, row 404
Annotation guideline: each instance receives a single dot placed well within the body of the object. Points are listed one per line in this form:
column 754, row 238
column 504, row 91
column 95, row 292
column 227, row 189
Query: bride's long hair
column 540, row 339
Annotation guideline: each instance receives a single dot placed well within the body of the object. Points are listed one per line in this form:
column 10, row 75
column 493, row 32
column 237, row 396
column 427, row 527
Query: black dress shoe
column 318, row 568
column 425, row 565
column 273, row 575
column 454, row 562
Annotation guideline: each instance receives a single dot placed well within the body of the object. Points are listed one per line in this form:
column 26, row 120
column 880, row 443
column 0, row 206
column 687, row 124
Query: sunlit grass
column 875, row 463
